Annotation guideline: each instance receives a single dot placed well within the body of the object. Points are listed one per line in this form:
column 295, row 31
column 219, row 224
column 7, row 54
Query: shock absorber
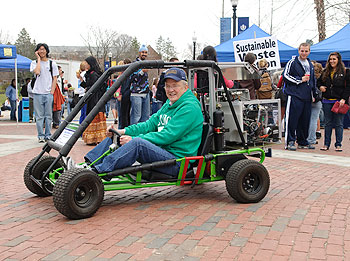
column 219, row 137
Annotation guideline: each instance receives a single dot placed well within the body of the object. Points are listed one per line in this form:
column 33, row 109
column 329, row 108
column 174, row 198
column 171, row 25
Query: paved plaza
column 305, row 215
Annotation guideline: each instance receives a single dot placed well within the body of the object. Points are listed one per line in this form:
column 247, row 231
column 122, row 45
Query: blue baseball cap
column 176, row 74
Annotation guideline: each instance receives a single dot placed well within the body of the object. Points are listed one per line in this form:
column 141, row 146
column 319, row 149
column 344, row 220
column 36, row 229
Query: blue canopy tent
column 338, row 42
column 9, row 60
column 23, row 63
column 225, row 52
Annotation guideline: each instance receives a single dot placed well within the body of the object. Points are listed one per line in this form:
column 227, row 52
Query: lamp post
column 194, row 39
column 234, row 17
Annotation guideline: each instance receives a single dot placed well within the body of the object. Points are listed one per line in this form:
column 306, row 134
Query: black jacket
column 161, row 94
column 338, row 88
column 90, row 78
column 292, row 77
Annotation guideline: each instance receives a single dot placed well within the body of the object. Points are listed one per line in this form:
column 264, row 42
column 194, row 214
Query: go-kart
column 78, row 192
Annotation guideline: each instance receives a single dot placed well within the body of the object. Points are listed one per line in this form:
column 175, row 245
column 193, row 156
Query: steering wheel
column 115, row 132
column 116, row 137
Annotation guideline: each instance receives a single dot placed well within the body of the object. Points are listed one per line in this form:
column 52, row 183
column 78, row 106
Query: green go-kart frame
column 78, row 192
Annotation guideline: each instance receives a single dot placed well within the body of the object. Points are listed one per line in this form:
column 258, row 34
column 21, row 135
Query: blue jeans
column 330, row 118
column 315, row 114
column 13, row 110
column 107, row 106
column 69, row 105
column 82, row 114
column 43, row 112
column 140, row 109
column 135, row 150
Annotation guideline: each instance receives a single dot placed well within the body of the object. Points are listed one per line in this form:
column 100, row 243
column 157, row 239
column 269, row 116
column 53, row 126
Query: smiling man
column 46, row 73
column 175, row 131
column 300, row 84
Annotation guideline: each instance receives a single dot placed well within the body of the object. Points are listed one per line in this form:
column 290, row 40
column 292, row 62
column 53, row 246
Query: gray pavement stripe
column 312, row 157
column 18, row 146
column 18, row 137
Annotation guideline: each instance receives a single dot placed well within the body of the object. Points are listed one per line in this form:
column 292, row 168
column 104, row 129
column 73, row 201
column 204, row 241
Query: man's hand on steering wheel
column 109, row 133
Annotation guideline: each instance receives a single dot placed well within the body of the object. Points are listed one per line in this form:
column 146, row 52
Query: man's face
column 42, row 52
column 143, row 55
column 174, row 90
column 304, row 52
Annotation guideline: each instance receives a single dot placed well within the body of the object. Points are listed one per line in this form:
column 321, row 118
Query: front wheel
column 247, row 181
column 38, row 170
column 78, row 193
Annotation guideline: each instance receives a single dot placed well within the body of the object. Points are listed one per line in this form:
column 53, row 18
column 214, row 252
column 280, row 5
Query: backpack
column 265, row 90
column 32, row 83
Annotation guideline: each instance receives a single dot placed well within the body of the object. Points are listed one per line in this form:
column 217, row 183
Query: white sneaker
column 69, row 162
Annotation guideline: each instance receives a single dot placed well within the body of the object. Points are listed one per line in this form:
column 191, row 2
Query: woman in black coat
column 96, row 132
column 334, row 84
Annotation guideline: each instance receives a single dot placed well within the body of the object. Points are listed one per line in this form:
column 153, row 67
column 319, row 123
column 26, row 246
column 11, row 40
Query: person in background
column 62, row 85
column 334, row 84
column 58, row 103
column 12, row 97
column 315, row 109
column 253, row 84
column 266, row 86
column 70, row 95
column 96, row 131
column 24, row 89
column 125, row 105
column 113, row 101
column 300, row 85
column 31, row 104
column 46, row 73
column 139, row 87
column 155, row 103
column 80, row 74
column 209, row 53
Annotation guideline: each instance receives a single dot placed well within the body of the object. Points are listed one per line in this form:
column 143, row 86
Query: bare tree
column 321, row 19
column 4, row 37
column 99, row 42
column 125, row 46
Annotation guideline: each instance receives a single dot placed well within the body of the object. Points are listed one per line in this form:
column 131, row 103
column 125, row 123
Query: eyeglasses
column 174, row 87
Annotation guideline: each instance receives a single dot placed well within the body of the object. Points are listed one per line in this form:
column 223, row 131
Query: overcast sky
column 63, row 22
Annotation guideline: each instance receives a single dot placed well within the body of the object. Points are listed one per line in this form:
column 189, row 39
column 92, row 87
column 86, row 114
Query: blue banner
column 243, row 24
column 106, row 65
column 225, row 29
column 8, row 51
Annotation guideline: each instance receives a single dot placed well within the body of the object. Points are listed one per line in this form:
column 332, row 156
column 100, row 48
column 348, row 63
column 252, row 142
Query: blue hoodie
column 292, row 74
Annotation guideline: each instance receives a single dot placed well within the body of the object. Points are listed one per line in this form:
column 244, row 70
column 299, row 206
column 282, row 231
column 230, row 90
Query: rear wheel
column 37, row 172
column 247, row 181
column 78, row 193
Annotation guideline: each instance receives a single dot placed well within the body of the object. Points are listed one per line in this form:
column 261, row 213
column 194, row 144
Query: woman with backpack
column 96, row 132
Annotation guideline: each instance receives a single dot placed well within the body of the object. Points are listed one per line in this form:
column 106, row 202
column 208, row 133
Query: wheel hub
column 251, row 183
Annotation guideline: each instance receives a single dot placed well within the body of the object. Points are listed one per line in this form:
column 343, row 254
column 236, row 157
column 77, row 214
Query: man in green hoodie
column 175, row 131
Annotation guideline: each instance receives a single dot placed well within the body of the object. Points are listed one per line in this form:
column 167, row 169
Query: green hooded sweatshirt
column 176, row 128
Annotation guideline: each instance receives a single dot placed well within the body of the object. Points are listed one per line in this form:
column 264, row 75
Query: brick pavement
column 303, row 217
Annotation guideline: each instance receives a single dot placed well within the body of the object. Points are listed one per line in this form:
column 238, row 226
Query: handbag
column 318, row 96
column 337, row 109
column 281, row 95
